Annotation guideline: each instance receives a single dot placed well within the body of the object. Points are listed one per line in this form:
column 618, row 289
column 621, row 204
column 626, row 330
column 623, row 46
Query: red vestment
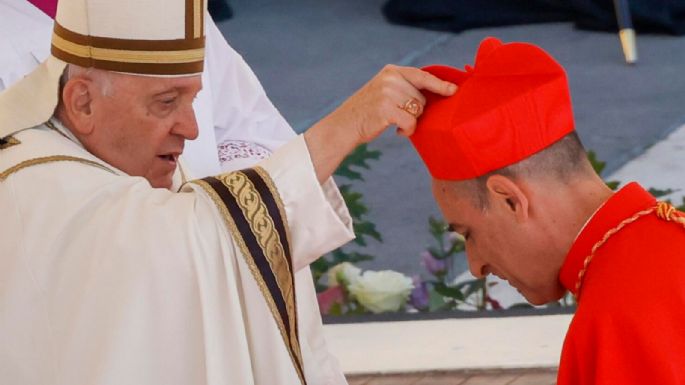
column 629, row 327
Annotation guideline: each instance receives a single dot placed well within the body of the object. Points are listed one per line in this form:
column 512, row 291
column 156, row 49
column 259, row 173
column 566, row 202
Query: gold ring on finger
column 413, row 107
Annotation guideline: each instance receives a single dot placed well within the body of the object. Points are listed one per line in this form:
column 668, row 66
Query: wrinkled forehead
column 154, row 84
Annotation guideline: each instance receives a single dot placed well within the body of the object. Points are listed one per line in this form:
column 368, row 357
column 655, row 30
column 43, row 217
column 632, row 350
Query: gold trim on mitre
column 148, row 57
column 194, row 18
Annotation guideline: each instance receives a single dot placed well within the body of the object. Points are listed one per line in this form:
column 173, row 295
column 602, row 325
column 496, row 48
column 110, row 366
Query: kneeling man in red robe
column 511, row 175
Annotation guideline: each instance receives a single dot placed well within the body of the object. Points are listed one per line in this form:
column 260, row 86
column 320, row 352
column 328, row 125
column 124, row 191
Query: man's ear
column 77, row 103
column 508, row 196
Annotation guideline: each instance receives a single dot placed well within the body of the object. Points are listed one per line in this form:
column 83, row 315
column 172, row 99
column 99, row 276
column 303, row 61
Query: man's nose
column 186, row 126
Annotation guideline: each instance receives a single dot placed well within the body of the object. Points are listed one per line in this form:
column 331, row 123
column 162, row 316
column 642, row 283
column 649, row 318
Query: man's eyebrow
column 167, row 91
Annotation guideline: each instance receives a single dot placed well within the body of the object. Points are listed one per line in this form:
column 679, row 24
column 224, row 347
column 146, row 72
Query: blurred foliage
column 599, row 166
column 443, row 293
column 351, row 169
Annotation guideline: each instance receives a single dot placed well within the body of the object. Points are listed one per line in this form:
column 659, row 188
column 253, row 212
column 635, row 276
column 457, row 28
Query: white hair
column 102, row 78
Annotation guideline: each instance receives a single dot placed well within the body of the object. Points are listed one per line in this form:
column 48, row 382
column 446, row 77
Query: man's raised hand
column 391, row 98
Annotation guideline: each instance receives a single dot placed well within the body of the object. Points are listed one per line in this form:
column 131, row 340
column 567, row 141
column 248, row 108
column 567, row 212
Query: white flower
column 343, row 273
column 382, row 291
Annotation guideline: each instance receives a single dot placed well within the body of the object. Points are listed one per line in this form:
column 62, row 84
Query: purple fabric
column 47, row 6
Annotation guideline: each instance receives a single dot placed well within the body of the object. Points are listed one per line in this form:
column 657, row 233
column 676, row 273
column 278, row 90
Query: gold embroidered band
column 50, row 159
column 149, row 57
column 254, row 214
column 663, row 210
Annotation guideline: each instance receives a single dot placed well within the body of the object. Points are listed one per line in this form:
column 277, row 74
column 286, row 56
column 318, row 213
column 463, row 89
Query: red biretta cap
column 513, row 103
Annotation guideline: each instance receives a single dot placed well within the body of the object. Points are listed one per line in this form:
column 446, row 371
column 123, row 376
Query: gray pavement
column 311, row 54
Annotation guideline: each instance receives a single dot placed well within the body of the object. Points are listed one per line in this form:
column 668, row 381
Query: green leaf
column 319, row 269
column 436, row 227
column 354, row 203
column 436, row 301
column 521, row 305
column 597, row 164
column 368, row 229
column 358, row 158
column 340, row 256
column 448, row 291
column 471, row 287
column 660, row 193
column 457, row 247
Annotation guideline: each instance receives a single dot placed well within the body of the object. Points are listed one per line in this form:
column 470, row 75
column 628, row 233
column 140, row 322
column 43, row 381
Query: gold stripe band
column 129, row 44
column 134, row 68
column 50, row 159
column 197, row 14
column 127, row 56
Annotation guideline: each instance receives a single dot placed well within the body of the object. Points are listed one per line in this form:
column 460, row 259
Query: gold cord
column 664, row 211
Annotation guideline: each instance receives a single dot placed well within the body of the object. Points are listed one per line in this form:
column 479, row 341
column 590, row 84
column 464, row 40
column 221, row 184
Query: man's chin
column 161, row 181
column 540, row 298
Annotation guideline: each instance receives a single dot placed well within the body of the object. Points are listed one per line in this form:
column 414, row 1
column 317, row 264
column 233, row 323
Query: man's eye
column 169, row 102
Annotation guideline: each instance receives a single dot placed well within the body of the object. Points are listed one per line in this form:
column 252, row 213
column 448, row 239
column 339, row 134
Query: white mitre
column 161, row 38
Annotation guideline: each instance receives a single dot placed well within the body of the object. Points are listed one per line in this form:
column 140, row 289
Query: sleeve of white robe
column 247, row 128
column 108, row 281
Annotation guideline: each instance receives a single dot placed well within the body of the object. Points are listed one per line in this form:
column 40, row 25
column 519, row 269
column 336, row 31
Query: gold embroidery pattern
column 663, row 210
column 262, row 226
column 264, row 230
column 277, row 197
column 50, row 159
column 8, row 142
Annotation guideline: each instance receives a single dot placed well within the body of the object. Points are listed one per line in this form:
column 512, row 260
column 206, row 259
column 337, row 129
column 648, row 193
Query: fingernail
column 451, row 88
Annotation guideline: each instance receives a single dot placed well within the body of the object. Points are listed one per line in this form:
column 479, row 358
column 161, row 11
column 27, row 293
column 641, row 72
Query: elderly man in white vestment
column 107, row 276
column 238, row 126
